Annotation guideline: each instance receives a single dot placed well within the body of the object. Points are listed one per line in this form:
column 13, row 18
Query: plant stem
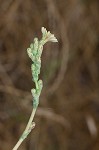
column 34, row 52
column 26, row 129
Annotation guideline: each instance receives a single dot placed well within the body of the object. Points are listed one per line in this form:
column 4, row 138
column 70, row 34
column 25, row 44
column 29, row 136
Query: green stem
column 36, row 84
column 34, row 53
column 26, row 129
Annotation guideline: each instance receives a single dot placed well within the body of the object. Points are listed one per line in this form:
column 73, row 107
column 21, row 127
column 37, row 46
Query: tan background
column 68, row 114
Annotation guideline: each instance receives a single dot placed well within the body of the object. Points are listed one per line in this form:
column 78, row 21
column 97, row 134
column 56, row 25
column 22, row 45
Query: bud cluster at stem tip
column 35, row 52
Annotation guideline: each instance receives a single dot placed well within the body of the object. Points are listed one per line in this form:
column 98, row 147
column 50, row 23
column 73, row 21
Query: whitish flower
column 47, row 36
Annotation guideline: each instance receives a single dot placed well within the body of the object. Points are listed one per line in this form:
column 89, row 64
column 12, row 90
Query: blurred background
column 68, row 114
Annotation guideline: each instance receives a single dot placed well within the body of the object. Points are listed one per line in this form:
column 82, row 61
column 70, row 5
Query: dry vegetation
column 68, row 114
